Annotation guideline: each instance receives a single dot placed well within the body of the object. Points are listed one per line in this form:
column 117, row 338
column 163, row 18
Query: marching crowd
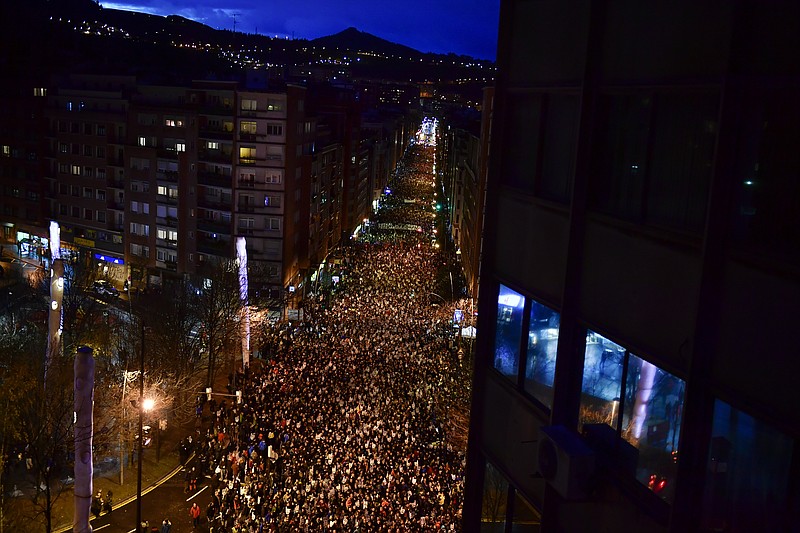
column 344, row 427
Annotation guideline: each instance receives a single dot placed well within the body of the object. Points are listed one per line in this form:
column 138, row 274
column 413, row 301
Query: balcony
column 215, row 134
column 215, row 157
column 214, row 227
column 246, row 208
column 213, row 247
column 213, row 203
column 167, row 175
column 214, row 180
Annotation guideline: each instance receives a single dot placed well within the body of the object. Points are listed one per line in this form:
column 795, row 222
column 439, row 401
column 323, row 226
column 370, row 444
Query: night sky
column 466, row 27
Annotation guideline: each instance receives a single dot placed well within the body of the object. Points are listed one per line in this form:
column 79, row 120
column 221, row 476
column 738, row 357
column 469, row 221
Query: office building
column 635, row 360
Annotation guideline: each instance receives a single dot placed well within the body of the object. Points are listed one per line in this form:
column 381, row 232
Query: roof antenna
column 234, row 15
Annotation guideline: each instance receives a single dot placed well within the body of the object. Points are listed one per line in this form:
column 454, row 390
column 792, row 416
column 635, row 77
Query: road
column 167, row 500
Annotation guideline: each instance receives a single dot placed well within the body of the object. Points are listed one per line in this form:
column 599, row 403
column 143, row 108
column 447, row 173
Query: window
column 100, row 151
column 88, row 172
column 142, row 141
column 212, row 145
column 273, row 224
column 180, row 146
column 39, row 91
column 540, row 356
column 146, row 119
column 495, row 499
column 768, row 190
column 272, row 201
column 172, row 192
column 145, row 208
column 173, row 122
column 248, row 128
column 274, row 153
column 101, row 129
column 647, row 415
column 76, row 170
column 273, row 177
column 247, row 154
column 249, row 105
column 100, row 174
column 653, row 158
column 101, row 216
column 100, row 194
column 161, row 233
column 247, row 223
column 87, row 214
column 274, row 105
column 63, row 148
column 508, row 333
column 143, row 230
column 275, row 129
column 140, row 163
column 162, row 190
column 748, row 474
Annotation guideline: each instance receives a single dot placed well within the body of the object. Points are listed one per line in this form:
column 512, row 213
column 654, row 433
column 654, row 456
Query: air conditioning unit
column 565, row 462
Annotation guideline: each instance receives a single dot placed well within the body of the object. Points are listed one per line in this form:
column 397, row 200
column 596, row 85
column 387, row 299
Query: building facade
column 634, row 366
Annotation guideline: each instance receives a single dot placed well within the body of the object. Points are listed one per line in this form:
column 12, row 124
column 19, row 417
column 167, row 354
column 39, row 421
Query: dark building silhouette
column 635, row 366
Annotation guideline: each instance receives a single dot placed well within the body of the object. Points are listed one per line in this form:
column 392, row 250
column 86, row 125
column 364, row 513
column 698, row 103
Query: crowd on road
column 344, row 427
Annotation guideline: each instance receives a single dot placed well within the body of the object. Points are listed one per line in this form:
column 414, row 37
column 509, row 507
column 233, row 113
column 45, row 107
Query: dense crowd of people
column 343, row 427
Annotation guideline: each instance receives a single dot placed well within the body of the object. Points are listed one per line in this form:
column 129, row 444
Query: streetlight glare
column 148, row 403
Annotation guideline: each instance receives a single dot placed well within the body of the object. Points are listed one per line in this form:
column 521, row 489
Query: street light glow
column 148, row 403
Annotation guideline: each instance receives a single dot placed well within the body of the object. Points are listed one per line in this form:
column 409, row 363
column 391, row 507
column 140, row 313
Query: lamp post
column 142, row 404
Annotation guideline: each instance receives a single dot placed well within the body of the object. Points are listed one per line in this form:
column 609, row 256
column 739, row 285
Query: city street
column 358, row 421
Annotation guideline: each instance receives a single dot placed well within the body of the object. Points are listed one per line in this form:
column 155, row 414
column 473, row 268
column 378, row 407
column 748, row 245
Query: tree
column 218, row 306
column 42, row 422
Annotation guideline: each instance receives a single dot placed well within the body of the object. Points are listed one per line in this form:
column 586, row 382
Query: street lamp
column 142, row 404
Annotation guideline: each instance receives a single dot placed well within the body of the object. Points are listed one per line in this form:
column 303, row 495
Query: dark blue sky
column 466, row 27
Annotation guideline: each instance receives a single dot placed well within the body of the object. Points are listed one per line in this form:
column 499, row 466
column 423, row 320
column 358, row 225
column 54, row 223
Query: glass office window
column 602, row 380
column 540, row 357
column 522, row 140
column 526, row 518
column 747, row 480
column 651, row 422
column 495, row 499
column 508, row 334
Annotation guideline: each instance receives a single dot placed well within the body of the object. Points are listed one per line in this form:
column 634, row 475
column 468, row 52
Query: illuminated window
column 162, row 190
column 249, row 105
column 212, row 145
column 247, row 154
column 173, row 123
column 180, row 146
column 274, row 105
column 645, row 410
column 248, row 128
column 39, row 91
column 508, row 333
column 142, row 141
column 540, row 356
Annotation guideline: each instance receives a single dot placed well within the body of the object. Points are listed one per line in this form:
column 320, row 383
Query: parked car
column 102, row 287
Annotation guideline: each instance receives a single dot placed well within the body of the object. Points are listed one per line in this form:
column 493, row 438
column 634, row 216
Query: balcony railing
column 214, row 179
column 214, row 227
